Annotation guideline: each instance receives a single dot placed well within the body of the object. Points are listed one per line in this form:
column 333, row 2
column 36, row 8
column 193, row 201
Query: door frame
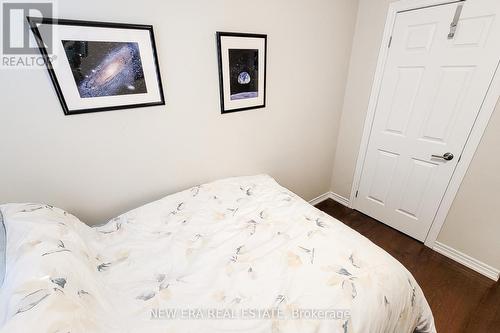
column 480, row 124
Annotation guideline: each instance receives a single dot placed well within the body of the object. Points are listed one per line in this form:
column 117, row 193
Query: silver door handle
column 446, row 156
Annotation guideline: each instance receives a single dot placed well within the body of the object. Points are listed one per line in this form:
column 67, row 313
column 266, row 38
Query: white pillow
column 51, row 272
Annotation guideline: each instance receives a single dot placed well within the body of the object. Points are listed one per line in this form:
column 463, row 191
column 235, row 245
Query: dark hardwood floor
column 461, row 299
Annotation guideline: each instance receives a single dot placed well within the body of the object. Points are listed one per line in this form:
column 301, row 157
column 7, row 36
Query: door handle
column 445, row 156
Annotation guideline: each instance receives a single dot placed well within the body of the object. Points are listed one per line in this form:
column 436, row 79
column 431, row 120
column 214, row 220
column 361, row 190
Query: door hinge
column 357, row 194
column 390, row 42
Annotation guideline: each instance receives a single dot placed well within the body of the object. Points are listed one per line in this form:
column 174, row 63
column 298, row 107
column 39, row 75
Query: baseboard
column 467, row 261
column 340, row 199
column 320, row 198
column 330, row 195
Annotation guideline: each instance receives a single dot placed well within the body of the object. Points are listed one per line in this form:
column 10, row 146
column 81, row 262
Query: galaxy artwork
column 105, row 68
column 100, row 66
column 244, row 73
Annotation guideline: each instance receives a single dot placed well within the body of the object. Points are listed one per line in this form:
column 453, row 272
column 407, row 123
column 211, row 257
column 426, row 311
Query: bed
column 236, row 255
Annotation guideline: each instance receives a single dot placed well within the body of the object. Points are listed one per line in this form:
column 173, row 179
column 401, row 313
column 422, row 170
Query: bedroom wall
column 472, row 224
column 100, row 165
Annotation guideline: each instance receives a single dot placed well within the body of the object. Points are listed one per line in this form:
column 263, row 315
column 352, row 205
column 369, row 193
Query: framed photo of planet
column 242, row 71
column 99, row 66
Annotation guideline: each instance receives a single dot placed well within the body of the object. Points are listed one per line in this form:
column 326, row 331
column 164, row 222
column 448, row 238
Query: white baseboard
column 330, row 195
column 340, row 199
column 320, row 198
column 467, row 261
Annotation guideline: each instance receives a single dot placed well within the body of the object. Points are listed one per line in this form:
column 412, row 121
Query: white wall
column 366, row 44
column 472, row 225
column 99, row 165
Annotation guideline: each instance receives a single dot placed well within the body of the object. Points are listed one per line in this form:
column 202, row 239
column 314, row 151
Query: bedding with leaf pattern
column 233, row 245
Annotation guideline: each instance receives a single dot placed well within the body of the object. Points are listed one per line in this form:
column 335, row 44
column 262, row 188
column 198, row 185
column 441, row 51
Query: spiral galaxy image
column 244, row 73
column 105, row 68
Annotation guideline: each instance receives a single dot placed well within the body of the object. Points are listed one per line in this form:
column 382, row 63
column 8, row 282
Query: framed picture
column 242, row 71
column 98, row 66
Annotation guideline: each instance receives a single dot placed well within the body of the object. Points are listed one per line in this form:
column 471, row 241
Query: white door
column 432, row 90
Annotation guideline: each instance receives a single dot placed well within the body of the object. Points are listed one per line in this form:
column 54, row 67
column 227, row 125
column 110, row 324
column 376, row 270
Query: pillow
column 2, row 249
column 51, row 271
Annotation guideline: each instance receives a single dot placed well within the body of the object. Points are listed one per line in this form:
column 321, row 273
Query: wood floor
column 461, row 299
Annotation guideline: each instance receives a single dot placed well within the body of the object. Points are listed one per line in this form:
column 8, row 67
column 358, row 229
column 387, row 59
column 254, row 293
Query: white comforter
column 236, row 255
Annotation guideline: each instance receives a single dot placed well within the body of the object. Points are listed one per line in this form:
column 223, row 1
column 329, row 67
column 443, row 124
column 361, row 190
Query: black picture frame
column 222, row 84
column 35, row 21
